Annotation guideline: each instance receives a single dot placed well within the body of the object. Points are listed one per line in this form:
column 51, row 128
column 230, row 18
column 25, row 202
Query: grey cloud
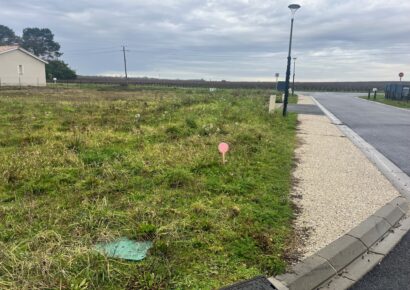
column 225, row 39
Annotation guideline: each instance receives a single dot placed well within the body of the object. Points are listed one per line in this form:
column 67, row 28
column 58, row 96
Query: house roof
column 9, row 48
column 6, row 48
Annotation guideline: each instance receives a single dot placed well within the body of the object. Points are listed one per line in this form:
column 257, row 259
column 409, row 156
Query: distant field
column 299, row 86
column 81, row 166
column 380, row 98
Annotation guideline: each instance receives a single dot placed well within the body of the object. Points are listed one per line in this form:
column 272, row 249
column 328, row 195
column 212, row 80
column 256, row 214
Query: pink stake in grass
column 223, row 149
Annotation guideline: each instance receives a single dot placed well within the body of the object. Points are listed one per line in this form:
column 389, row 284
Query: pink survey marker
column 223, row 149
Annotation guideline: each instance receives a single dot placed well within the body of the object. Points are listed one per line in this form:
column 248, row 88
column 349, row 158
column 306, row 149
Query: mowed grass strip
column 79, row 167
column 396, row 103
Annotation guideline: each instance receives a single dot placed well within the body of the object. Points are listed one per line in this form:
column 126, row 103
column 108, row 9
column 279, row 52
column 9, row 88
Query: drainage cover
column 124, row 249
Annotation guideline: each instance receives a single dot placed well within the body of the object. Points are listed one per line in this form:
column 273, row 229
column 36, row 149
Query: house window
column 20, row 69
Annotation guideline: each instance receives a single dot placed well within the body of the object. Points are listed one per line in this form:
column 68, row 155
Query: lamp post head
column 293, row 8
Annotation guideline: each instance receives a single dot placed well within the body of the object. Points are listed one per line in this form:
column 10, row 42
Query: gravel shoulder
column 336, row 187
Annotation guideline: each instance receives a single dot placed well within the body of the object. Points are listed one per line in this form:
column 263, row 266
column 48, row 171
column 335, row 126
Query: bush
column 60, row 70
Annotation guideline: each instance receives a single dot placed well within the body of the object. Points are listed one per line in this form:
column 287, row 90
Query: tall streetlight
column 277, row 78
column 294, row 72
column 293, row 8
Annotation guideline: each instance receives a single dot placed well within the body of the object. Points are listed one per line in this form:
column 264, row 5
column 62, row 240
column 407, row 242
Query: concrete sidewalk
column 336, row 186
column 383, row 133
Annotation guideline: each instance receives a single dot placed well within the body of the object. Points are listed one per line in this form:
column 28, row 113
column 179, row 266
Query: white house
column 18, row 67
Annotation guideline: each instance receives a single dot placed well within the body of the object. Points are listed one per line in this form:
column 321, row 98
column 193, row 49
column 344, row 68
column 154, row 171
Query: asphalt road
column 388, row 130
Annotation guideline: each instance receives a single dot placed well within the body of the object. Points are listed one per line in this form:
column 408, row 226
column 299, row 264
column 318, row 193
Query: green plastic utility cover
column 125, row 248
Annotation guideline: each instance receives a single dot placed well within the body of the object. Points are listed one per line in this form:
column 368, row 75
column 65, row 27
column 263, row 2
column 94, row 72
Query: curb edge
column 344, row 251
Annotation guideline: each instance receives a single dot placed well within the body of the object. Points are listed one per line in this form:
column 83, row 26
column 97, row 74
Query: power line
column 91, row 49
column 94, row 52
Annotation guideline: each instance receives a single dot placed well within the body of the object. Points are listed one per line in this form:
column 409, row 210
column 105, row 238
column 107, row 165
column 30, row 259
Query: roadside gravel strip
column 336, row 186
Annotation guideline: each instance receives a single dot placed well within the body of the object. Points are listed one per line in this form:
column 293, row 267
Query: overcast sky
column 334, row 40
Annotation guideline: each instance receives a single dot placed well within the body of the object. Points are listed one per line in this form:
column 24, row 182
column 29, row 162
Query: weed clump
column 191, row 123
column 174, row 132
column 199, row 208
column 209, row 129
column 146, row 232
column 75, row 142
column 177, row 178
column 234, row 211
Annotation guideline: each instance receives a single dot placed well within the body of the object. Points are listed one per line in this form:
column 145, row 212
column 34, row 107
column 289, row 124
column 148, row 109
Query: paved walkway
column 388, row 130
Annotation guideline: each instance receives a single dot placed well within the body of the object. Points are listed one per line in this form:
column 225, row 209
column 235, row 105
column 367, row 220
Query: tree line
column 40, row 42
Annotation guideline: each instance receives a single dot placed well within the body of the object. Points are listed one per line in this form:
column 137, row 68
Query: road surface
column 388, row 130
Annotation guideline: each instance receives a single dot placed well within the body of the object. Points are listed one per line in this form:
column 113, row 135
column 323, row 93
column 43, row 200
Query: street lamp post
column 293, row 8
column 294, row 72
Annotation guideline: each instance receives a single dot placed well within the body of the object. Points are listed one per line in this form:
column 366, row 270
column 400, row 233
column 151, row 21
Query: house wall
column 34, row 71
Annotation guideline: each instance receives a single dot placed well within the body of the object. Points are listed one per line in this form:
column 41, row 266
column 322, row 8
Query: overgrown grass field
column 78, row 167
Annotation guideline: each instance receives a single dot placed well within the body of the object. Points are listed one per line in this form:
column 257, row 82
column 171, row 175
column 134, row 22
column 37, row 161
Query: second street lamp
column 277, row 78
column 293, row 8
column 294, row 72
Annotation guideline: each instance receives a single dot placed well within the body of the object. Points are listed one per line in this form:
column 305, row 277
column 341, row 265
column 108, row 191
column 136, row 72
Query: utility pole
column 125, row 64
column 294, row 72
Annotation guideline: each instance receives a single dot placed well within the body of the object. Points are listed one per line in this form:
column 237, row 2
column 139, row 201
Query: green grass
column 291, row 99
column 79, row 167
column 380, row 98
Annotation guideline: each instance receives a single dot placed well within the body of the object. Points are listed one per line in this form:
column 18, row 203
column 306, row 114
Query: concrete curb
column 371, row 258
column 344, row 261
column 333, row 260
